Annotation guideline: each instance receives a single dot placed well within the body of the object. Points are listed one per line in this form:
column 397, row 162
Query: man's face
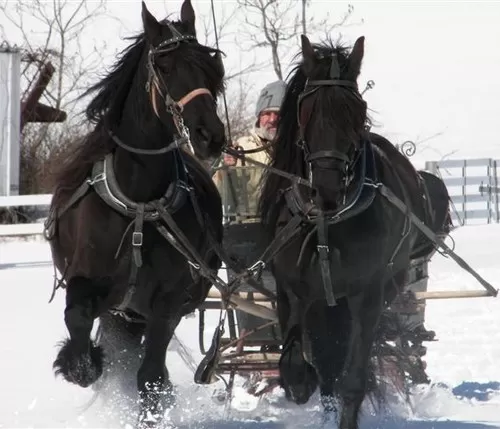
column 268, row 120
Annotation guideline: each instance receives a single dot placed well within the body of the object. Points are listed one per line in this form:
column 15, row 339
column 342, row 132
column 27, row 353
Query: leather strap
column 137, row 235
column 387, row 193
column 324, row 260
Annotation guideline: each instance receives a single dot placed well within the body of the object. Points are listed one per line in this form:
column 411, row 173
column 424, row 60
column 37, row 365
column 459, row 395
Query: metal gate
column 473, row 188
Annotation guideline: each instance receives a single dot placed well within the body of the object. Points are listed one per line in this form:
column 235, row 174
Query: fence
column 10, row 66
column 473, row 188
column 23, row 229
column 472, row 184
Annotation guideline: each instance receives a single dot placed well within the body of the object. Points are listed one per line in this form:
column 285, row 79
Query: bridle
column 340, row 161
column 156, row 87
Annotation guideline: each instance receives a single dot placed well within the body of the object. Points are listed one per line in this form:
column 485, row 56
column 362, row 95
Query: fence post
column 464, row 190
column 495, row 182
column 431, row 166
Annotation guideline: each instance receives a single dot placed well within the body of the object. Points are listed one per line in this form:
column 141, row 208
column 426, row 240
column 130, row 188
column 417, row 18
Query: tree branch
column 274, row 25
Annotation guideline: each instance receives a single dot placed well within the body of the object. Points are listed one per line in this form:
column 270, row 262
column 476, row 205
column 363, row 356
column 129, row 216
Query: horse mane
column 113, row 89
column 286, row 154
column 106, row 107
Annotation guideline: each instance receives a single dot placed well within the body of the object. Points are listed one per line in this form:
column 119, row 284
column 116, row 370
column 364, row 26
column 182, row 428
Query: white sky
column 436, row 65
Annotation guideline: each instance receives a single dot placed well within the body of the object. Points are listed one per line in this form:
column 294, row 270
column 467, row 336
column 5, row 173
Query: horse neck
column 143, row 177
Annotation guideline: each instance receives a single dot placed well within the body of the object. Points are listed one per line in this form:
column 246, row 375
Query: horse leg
column 365, row 308
column 155, row 389
column 297, row 376
column 79, row 360
column 328, row 329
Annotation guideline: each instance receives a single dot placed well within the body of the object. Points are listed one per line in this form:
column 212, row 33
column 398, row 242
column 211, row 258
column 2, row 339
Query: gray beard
column 265, row 134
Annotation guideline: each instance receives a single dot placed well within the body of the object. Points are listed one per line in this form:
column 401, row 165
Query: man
column 243, row 186
column 240, row 187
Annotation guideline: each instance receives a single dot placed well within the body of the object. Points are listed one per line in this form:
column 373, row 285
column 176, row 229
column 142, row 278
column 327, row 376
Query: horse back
column 426, row 193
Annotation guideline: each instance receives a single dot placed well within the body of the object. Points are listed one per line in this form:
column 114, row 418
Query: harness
column 103, row 180
column 361, row 180
column 306, row 215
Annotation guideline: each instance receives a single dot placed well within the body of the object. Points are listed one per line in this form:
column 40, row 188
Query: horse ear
column 220, row 63
column 307, row 49
column 355, row 59
column 187, row 15
column 152, row 27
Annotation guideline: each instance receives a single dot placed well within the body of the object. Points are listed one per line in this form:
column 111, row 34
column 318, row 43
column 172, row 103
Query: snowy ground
column 464, row 364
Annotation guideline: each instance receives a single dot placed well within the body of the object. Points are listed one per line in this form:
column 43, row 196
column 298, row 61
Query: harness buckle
column 195, row 266
column 259, row 265
column 372, row 184
column 256, row 269
column 101, row 177
column 323, row 250
column 137, row 239
column 183, row 185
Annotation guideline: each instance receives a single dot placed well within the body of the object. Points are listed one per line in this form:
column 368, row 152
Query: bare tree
column 210, row 35
column 51, row 34
column 274, row 24
column 425, row 143
column 61, row 24
column 225, row 32
column 240, row 116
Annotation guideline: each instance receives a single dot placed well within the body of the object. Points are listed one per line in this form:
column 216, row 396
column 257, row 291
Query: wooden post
column 264, row 308
column 495, row 181
column 479, row 293
column 34, row 111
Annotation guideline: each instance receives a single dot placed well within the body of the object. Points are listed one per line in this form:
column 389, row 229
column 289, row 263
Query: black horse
column 135, row 216
column 350, row 252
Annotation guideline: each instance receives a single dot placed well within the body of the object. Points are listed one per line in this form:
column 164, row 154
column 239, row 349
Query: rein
column 294, row 178
column 175, row 144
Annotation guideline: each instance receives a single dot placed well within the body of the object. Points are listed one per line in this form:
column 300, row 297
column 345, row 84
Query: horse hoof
column 82, row 369
column 154, row 403
column 148, row 422
column 330, row 409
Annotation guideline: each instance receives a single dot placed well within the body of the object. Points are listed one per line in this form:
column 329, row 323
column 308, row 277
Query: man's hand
column 229, row 160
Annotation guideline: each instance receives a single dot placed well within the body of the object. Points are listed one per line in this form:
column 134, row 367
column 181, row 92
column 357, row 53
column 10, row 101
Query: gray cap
column 271, row 96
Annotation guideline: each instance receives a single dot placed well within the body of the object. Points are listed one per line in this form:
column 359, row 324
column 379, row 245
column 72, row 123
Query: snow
column 462, row 364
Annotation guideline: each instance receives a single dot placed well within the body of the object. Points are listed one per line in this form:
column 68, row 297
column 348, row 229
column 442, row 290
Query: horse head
column 183, row 80
column 331, row 118
column 161, row 92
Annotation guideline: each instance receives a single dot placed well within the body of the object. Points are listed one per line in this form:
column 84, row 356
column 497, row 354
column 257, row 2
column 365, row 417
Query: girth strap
column 324, row 259
column 137, row 235
column 136, row 260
